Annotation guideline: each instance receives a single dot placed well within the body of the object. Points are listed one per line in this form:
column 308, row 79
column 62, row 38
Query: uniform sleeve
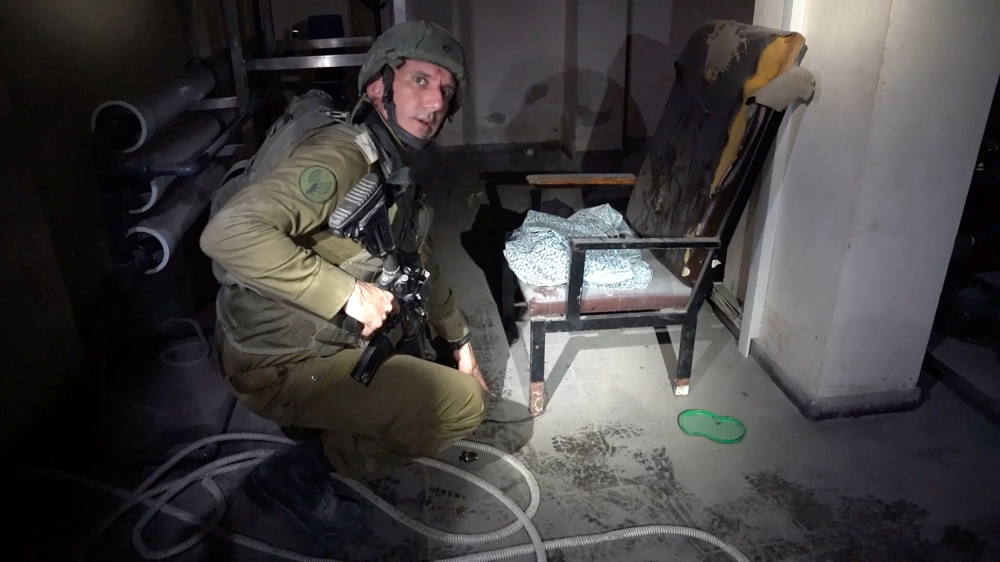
column 253, row 235
column 443, row 313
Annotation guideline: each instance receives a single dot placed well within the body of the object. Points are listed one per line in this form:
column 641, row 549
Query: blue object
column 326, row 26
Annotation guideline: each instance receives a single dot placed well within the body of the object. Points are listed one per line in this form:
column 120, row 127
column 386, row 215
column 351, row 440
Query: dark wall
column 58, row 60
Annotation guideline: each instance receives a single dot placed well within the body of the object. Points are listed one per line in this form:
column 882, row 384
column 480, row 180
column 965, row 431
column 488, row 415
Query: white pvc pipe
column 179, row 210
column 151, row 110
column 182, row 141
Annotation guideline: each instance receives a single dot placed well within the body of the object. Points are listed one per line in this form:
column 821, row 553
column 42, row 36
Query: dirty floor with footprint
column 608, row 453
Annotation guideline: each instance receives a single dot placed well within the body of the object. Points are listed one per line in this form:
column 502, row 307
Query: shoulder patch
column 317, row 184
column 367, row 146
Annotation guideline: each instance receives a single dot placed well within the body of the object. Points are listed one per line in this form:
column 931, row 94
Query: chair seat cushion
column 663, row 292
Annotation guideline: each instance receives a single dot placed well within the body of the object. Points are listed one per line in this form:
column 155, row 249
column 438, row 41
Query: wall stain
column 536, row 93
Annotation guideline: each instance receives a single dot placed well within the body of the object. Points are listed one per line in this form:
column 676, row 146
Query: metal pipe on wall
column 140, row 117
column 398, row 11
column 155, row 238
column 182, row 142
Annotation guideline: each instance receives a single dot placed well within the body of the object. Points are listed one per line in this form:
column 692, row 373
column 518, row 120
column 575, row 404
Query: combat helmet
column 418, row 40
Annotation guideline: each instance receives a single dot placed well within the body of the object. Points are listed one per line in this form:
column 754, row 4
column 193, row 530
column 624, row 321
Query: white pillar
column 870, row 200
column 788, row 15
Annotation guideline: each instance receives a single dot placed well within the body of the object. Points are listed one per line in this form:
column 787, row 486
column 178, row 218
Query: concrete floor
column 608, row 454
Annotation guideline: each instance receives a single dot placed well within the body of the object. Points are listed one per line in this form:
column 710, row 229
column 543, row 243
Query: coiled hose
column 156, row 499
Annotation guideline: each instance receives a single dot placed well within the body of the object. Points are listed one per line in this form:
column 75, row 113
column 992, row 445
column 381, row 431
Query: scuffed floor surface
column 608, row 454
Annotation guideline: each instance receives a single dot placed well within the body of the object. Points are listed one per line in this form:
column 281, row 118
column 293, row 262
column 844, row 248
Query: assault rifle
column 363, row 216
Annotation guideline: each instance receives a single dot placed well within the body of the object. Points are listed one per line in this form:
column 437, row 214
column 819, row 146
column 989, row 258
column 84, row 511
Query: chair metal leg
column 508, row 312
column 685, row 358
column 534, row 199
column 536, row 400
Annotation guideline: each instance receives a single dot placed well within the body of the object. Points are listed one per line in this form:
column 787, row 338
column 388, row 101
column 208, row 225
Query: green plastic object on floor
column 721, row 429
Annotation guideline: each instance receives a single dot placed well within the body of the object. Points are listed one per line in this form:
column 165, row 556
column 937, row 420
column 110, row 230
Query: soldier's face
column 422, row 93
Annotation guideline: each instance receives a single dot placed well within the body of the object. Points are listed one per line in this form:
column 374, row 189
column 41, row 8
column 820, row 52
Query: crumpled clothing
column 538, row 252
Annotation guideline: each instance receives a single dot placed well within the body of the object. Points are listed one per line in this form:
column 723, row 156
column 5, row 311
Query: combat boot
column 296, row 483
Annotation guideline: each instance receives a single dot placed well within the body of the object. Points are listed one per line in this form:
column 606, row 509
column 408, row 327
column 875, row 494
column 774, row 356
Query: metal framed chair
column 705, row 158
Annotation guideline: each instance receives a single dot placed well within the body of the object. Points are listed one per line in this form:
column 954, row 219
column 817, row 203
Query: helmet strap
column 385, row 139
column 399, row 132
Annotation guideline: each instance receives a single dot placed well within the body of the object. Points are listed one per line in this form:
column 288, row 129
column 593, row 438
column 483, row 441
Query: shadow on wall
column 584, row 113
column 652, row 77
column 593, row 122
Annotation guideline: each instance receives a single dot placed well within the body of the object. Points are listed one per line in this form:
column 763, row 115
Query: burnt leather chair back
column 708, row 149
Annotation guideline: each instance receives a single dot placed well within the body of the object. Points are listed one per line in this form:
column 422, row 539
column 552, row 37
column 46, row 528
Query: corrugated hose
column 156, row 500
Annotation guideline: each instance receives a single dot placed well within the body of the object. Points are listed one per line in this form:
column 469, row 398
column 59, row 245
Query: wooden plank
column 581, row 179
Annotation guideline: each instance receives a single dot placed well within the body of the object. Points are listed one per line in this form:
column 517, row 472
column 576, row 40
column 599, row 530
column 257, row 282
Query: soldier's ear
column 375, row 88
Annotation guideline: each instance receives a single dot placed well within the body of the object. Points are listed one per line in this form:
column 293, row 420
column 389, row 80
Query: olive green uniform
column 286, row 280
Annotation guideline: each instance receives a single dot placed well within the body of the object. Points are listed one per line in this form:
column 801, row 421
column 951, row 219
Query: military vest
column 260, row 323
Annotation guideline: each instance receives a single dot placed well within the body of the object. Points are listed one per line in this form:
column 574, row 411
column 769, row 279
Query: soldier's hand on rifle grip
column 370, row 306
